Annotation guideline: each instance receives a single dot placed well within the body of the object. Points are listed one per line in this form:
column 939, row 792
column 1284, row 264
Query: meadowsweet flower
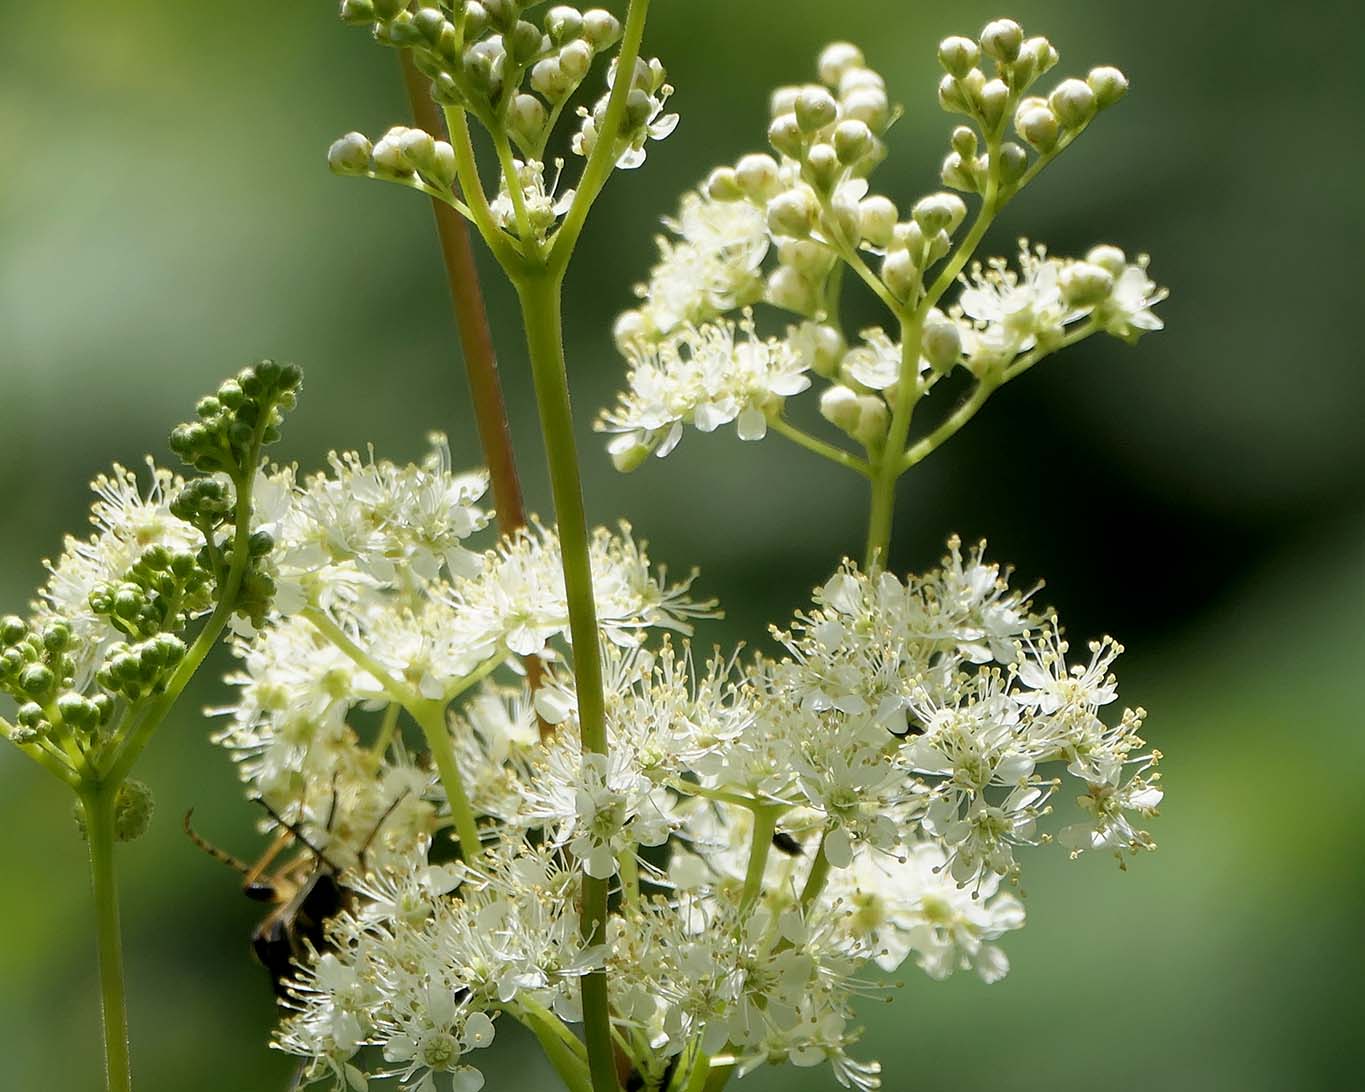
column 705, row 377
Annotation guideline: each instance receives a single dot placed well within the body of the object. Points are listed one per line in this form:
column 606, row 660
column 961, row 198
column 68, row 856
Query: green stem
column 432, row 718
column 562, row 1049
column 542, row 316
column 387, row 730
column 887, row 467
column 761, row 843
column 603, row 158
column 828, row 451
column 98, row 806
column 717, row 1077
column 816, row 880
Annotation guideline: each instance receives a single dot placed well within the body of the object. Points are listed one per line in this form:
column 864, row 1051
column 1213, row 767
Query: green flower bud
column 441, row 172
column 785, row 135
column 563, row 23
column 823, row 166
column 991, row 101
column 575, row 59
column 939, row 212
column 811, row 259
column 1108, row 84
column 958, row 55
column 430, row 23
column 1073, row 102
column 527, row 118
column 601, row 28
column 815, row 109
column 31, row 715
column 900, row 273
column 76, row 711
column 1013, row 163
column 37, row 680
column 357, row 13
column 57, row 636
column 954, row 97
column 873, row 421
column 385, row 10
column 13, row 629
column 417, row 149
column 1001, row 39
column 502, row 14
column 821, row 346
column 722, row 184
column 523, row 42
column 941, row 342
column 853, row 139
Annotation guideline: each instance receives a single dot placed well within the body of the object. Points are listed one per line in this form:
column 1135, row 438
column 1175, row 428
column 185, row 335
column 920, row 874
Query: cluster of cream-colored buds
column 1044, row 124
column 401, row 154
column 479, row 54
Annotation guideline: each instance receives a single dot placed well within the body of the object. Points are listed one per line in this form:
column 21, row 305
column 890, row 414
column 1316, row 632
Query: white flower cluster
column 771, row 828
column 810, row 208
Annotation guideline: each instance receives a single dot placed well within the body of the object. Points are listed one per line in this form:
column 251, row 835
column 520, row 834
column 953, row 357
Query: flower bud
column 385, row 10
column 548, row 79
column 836, row 59
column 877, row 218
column 758, row 176
column 958, row 55
column 909, row 236
column 858, row 79
column 791, row 291
column 823, row 167
column 953, row 96
column 1108, row 84
column 1084, row 284
column 784, row 134
column 350, row 154
column 783, row 101
column 575, row 59
column 417, row 149
column 1036, row 56
column 1001, row 39
column 563, row 23
column 502, row 14
column 852, row 140
column 815, row 109
column 793, row 213
column 873, row 419
column 991, row 101
column 357, row 13
column 900, row 273
column 601, row 28
column 870, row 106
column 941, row 342
column 964, row 141
column 939, row 212
column 811, row 259
column 526, row 117
column 961, row 174
column 1073, row 102
column 1037, row 124
column 723, row 185
column 442, row 169
column 1013, row 163
column 630, row 327
column 1109, row 258
column 839, row 406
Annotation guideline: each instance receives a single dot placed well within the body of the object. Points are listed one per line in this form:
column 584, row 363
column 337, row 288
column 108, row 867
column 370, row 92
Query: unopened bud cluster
column 1043, row 124
column 238, row 420
column 514, row 69
column 792, row 228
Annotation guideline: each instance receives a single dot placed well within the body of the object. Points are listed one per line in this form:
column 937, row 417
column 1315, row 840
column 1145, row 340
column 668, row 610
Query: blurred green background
column 166, row 215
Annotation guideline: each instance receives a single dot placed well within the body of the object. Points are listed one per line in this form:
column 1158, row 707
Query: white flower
column 705, row 377
column 542, row 204
column 1127, row 313
column 1012, row 311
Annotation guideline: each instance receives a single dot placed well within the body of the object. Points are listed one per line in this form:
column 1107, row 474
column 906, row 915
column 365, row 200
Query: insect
column 305, row 894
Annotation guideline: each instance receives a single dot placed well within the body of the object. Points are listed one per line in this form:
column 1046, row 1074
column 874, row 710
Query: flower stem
column 765, row 824
column 471, row 321
column 98, row 807
column 887, row 468
column 432, row 718
column 542, row 316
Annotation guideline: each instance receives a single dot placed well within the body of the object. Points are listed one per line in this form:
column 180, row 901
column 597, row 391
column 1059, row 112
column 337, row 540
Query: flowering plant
column 530, row 798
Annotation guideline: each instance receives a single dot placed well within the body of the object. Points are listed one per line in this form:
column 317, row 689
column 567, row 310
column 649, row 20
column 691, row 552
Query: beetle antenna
column 379, row 825
column 297, row 833
column 212, row 850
